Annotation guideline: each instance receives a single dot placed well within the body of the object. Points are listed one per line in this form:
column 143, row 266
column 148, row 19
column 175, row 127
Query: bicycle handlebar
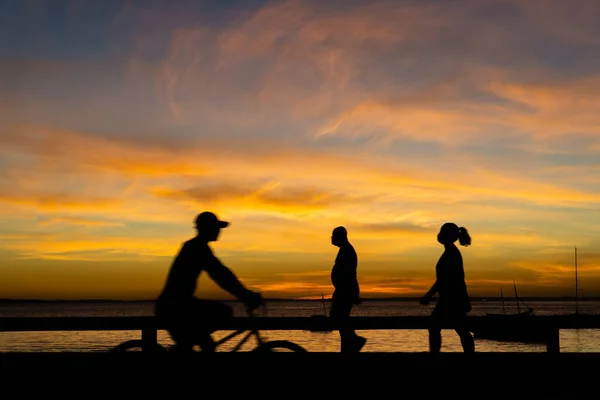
column 250, row 310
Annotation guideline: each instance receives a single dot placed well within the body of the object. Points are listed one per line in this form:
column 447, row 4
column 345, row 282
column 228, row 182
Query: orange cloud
column 381, row 178
column 93, row 248
column 269, row 196
column 79, row 221
column 561, row 108
column 59, row 201
column 92, row 151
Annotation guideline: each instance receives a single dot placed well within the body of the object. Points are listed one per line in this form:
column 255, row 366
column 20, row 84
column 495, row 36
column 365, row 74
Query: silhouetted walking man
column 190, row 320
column 347, row 291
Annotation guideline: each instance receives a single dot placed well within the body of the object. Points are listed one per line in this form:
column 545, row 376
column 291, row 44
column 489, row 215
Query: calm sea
column 581, row 340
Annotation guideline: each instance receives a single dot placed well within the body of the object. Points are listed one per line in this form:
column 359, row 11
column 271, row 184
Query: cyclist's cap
column 209, row 219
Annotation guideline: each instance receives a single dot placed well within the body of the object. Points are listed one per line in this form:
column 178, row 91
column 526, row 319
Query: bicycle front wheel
column 279, row 346
column 134, row 345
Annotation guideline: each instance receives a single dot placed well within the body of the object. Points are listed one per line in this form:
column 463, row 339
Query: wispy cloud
column 79, row 221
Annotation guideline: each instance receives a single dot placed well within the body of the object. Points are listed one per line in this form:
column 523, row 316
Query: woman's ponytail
column 463, row 236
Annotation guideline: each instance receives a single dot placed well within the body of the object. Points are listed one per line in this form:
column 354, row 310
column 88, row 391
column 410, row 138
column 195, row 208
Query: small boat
column 320, row 323
column 578, row 316
column 511, row 327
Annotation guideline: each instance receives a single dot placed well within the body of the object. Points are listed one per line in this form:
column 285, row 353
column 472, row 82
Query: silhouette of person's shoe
column 359, row 343
column 355, row 345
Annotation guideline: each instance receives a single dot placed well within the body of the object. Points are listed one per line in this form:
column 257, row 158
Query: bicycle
column 263, row 346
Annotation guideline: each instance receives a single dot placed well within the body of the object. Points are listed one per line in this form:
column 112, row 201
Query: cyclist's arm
column 226, row 279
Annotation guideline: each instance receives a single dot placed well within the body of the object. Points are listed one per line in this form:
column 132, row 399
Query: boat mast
column 576, row 286
column 516, row 296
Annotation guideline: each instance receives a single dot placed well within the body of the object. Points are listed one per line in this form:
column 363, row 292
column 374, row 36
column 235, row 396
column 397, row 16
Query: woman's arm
column 429, row 295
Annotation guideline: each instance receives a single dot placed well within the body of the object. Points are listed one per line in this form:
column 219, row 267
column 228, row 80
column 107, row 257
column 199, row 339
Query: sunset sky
column 121, row 120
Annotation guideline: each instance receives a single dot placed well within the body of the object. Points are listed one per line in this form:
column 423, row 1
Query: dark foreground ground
column 261, row 364
column 293, row 375
column 271, row 363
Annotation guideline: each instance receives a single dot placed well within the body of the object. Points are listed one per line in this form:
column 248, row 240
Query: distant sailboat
column 576, row 286
column 321, row 324
column 577, row 315
column 576, row 318
column 511, row 327
column 529, row 310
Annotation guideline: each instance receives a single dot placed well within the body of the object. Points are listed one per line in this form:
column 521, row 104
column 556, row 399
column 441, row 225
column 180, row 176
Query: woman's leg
column 466, row 339
column 435, row 340
column 435, row 330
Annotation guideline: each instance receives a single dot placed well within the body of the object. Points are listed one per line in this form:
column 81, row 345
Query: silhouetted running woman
column 347, row 291
column 453, row 304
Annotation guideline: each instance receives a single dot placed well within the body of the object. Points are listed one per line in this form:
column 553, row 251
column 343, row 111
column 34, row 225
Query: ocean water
column 575, row 340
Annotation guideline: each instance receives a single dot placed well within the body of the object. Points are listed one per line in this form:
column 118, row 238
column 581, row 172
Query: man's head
column 209, row 226
column 339, row 236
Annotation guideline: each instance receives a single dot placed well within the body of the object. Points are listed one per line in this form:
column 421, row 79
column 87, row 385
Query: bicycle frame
column 244, row 339
column 262, row 345
column 251, row 332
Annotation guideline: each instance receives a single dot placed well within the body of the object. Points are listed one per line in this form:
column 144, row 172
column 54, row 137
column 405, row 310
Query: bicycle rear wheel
column 134, row 345
column 276, row 346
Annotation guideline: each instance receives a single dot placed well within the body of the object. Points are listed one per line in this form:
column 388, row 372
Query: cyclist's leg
column 205, row 341
column 211, row 313
column 174, row 318
column 179, row 329
column 182, row 337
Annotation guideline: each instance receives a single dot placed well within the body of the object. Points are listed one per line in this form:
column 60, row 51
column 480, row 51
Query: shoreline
column 365, row 300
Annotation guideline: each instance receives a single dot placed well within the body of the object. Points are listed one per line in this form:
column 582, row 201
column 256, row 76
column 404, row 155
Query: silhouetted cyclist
column 189, row 320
